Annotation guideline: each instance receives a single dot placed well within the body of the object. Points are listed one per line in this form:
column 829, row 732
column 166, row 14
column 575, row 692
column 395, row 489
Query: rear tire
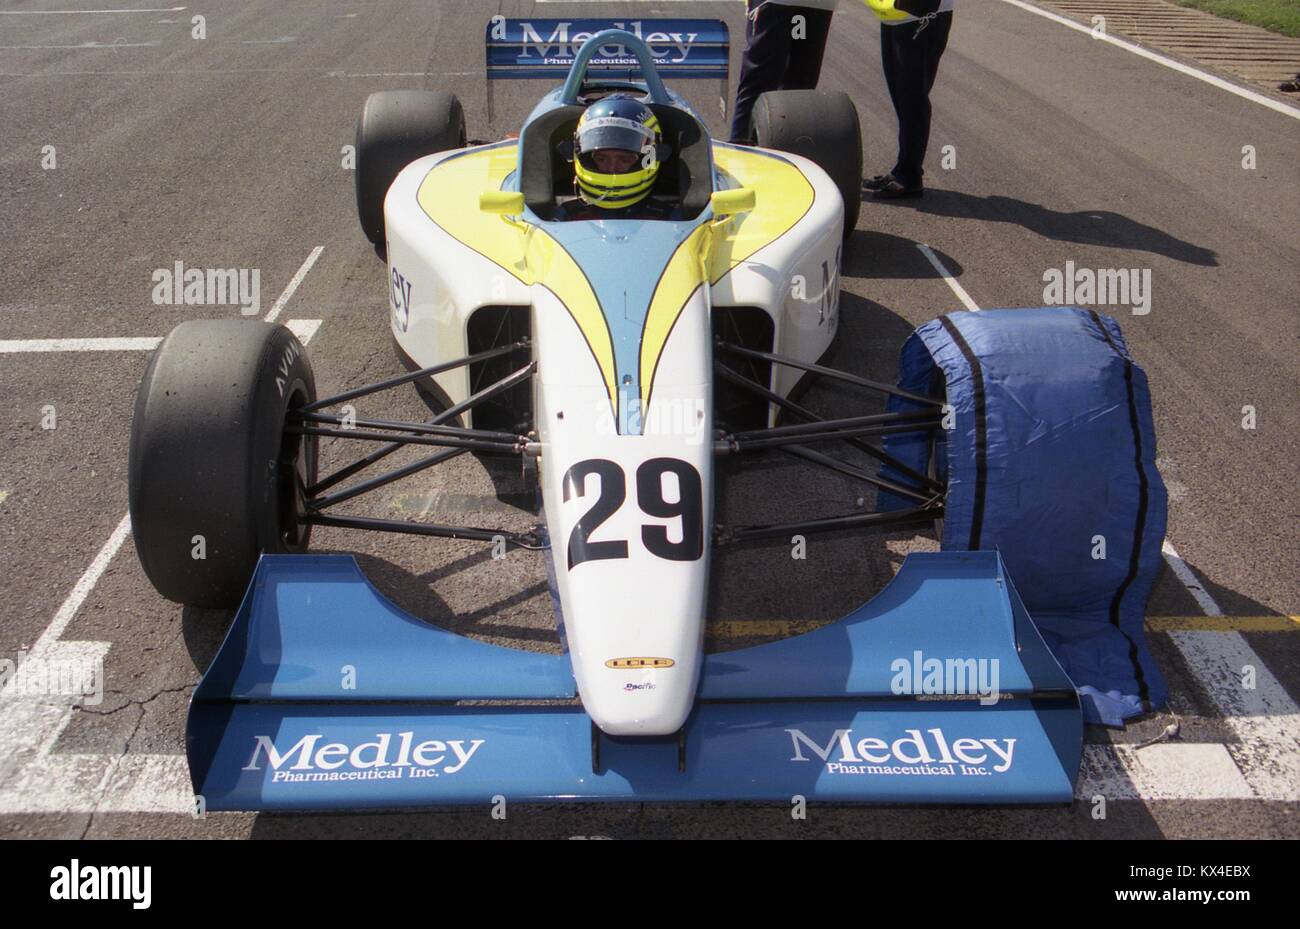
column 822, row 126
column 397, row 127
column 210, row 458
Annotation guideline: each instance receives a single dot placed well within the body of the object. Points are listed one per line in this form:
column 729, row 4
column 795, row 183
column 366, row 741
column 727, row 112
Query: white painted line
column 170, row 9
column 304, row 329
column 1265, row 720
column 948, row 278
column 4, row 495
column 1167, row 771
column 1275, row 105
column 34, row 779
column 85, row 584
column 144, row 344
column 1189, row 580
column 85, row 45
column 280, row 301
column 283, row 40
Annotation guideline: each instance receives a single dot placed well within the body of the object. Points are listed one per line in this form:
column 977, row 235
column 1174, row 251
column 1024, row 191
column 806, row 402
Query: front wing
column 326, row 696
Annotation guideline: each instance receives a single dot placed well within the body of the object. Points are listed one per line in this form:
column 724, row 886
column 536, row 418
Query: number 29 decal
column 689, row 508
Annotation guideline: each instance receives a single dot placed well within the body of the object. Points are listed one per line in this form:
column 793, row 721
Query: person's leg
column 808, row 49
column 889, row 65
column 889, row 61
column 762, row 67
column 916, row 67
column 937, row 44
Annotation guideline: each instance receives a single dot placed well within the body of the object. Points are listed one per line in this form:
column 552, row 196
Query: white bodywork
column 634, row 624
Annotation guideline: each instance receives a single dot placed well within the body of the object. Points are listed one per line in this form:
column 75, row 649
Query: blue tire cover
column 1052, row 450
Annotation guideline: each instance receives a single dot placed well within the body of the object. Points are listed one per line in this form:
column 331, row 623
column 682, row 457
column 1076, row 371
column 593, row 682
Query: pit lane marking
column 304, row 329
column 948, row 279
column 85, row 45
column 293, row 284
column 170, row 9
column 144, row 344
column 35, row 779
column 149, row 343
column 1275, row 105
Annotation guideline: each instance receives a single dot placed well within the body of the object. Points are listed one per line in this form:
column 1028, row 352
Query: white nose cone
column 630, row 515
column 629, row 519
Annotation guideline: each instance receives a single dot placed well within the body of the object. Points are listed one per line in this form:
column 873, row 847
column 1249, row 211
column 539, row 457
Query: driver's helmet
column 616, row 151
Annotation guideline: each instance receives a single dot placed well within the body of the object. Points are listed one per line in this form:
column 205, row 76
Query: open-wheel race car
column 622, row 359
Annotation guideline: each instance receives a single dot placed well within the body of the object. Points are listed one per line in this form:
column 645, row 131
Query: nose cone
column 636, row 657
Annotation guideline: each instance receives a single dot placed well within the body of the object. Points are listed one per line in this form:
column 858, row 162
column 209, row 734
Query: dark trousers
column 911, row 58
column 775, row 60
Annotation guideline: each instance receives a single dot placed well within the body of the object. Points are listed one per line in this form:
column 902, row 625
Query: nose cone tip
column 621, row 718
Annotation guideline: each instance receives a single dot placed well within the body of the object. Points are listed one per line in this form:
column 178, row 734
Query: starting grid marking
column 1263, row 761
column 170, row 9
column 35, row 779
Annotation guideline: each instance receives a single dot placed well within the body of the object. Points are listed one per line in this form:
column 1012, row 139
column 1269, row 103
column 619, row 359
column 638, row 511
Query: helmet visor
column 613, row 132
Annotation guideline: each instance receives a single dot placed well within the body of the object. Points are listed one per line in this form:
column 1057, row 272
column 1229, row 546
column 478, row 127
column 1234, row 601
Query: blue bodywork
column 327, row 696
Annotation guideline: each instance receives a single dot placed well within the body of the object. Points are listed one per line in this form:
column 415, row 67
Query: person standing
column 782, row 52
column 913, row 37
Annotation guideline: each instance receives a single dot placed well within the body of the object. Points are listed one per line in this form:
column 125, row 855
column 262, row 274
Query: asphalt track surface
column 226, row 152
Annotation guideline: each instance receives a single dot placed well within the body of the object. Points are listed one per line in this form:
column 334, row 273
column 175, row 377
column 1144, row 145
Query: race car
column 621, row 358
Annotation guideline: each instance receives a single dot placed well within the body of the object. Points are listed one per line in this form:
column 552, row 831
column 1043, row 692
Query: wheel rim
column 294, row 474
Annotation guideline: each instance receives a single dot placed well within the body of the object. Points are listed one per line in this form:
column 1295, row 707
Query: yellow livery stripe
column 784, row 196
column 449, row 196
column 554, row 268
column 683, row 274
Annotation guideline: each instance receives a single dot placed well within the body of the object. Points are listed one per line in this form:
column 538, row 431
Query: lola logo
column 383, row 758
column 639, row 663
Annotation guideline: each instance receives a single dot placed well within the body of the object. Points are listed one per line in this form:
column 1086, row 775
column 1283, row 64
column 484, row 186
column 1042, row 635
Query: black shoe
column 876, row 183
column 896, row 191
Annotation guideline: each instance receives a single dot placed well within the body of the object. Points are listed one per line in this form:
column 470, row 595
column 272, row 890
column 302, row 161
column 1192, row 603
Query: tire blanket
column 1050, row 458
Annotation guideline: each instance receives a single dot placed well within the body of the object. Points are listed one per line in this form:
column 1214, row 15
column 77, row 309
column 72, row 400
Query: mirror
column 502, row 202
column 729, row 202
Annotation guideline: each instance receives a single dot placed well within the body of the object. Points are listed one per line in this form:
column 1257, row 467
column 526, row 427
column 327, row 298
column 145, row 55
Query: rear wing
column 547, row 48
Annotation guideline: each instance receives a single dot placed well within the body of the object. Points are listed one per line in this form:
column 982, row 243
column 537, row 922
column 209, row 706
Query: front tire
column 823, row 127
column 214, row 480
column 397, row 127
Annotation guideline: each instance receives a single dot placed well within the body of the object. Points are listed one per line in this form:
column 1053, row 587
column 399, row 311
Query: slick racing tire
column 396, row 128
column 823, row 127
column 214, row 479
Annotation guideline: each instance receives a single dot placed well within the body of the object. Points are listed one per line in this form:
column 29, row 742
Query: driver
column 617, row 149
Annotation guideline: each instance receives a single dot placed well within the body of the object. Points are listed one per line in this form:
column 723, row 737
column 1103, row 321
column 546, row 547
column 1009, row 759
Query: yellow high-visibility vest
column 885, row 10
